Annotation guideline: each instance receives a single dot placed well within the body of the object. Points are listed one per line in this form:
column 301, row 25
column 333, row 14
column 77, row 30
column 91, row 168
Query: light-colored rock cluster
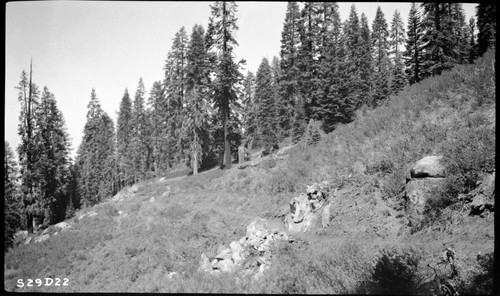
column 307, row 208
column 23, row 238
column 250, row 255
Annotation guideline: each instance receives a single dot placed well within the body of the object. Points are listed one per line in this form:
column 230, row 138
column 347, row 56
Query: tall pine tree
column 29, row 98
column 123, row 141
column 12, row 205
column 139, row 135
column 52, row 166
column 413, row 54
column 175, row 91
column 222, row 39
column 265, row 95
column 195, row 119
column 95, row 155
column 381, row 62
column 397, row 39
column 289, row 84
column 365, row 65
column 487, row 26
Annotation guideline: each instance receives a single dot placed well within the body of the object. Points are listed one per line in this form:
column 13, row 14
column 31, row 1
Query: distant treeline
column 205, row 107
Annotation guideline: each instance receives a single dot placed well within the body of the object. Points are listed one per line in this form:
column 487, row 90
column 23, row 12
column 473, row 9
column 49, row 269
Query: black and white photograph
column 250, row 147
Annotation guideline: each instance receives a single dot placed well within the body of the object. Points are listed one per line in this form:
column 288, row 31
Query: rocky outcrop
column 307, row 208
column 426, row 175
column 250, row 255
column 482, row 199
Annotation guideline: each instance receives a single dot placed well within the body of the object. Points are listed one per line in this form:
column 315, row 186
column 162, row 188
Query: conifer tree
column 95, row 154
column 123, row 140
column 340, row 71
column 413, row 54
column 486, row 25
column 222, row 39
column 354, row 64
column 29, row 99
column 265, row 95
column 175, row 91
column 313, row 135
column 195, row 120
column 52, row 166
column 250, row 111
column 281, row 109
column 139, row 134
column 73, row 200
column 365, row 66
column 158, row 123
column 381, row 64
column 439, row 41
column 308, row 64
column 289, row 84
column 472, row 41
column 397, row 39
column 12, row 205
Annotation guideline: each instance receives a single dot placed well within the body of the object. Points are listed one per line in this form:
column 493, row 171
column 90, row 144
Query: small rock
column 481, row 203
column 162, row 179
column 224, row 265
column 167, row 193
column 63, row 225
column 170, row 275
column 152, row 200
column 42, row 238
column 205, row 264
column 224, row 254
column 133, row 189
column 45, row 231
column 325, row 216
column 28, row 240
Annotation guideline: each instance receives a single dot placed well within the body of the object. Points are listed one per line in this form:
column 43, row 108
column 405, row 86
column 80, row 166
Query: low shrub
column 269, row 163
column 396, row 272
column 483, row 283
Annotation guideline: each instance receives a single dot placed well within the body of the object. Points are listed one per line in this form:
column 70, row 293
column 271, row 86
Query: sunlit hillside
column 149, row 237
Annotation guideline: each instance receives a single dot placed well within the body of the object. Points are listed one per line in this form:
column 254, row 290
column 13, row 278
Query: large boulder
column 426, row 177
column 418, row 191
column 429, row 166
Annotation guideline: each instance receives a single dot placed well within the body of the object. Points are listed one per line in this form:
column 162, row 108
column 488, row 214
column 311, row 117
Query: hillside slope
column 149, row 238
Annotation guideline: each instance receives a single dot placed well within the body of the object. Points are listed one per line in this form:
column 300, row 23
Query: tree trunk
column 227, row 146
column 241, row 154
column 52, row 209
column 29, row 220
column 195, row 163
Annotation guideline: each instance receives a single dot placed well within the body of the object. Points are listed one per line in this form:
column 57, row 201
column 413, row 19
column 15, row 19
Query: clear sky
column 109, row 45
